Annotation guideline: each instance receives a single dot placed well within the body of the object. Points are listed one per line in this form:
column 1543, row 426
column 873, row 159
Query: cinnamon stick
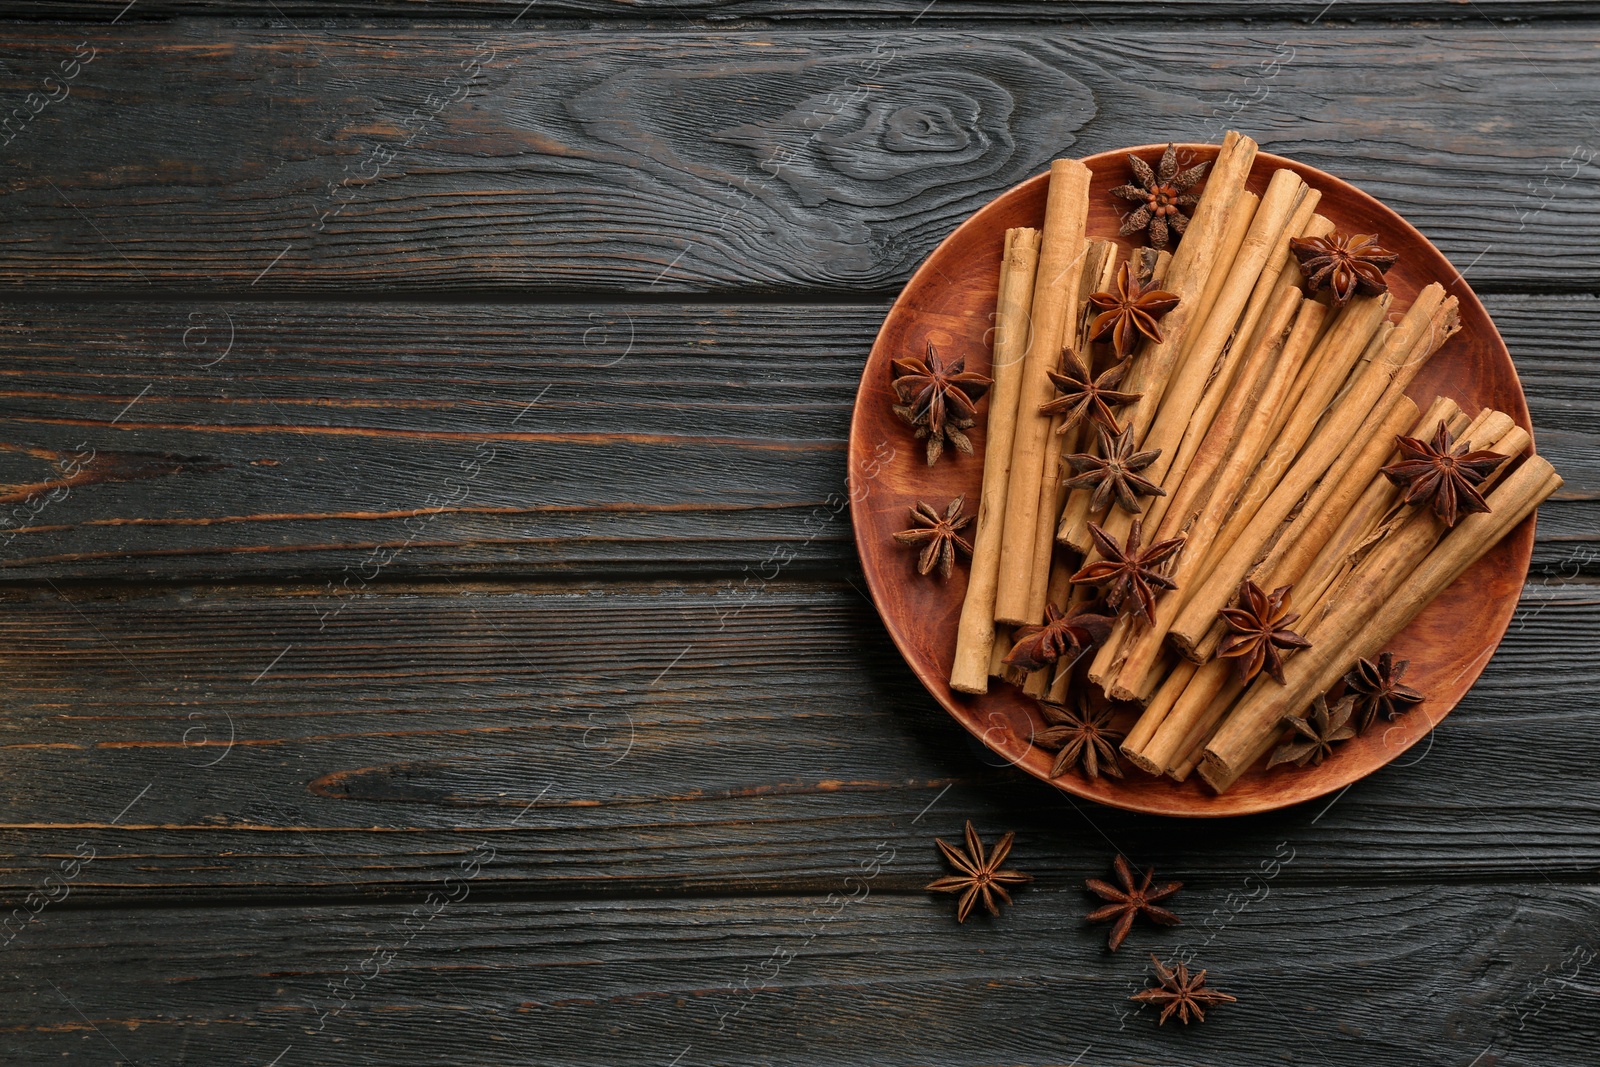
column 1073, row 530
column 1388, row 597
column 1240, row 217
column 1202, row 501
column 1099, row 265
column 1269, row 498
column 1336, row 555
column 1187, row 277
column 1182, row 408
column 1161, row 704
column 1268, row 291
column 1404, row 539
column 975, row 632
column 1055, row 287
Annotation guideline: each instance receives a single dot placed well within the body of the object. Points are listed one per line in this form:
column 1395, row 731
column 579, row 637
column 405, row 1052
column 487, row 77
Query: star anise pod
column 1130, row 901
column 1083, row 395
column 1113, row 474
column 939, row 400
column 1444, row 477
column 1315, row 734
column 940, row 534
column 1260, row 626
column 1377, row 688
column 1128, row 574
column 1164, row 193
column 980, row 876
column 1178, row 992
column 1128, row 312
column 1061, row 635
column 1081, row 738
column 1343, row 263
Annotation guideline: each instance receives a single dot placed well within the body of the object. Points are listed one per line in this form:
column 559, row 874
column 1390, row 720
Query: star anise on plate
column 1128, row 312
column 1114, row 473
column 1178, row 992
column 980, row 876
column 1343, row 263
column 1081, row 738
column 1084, row 396
column 1164, row 193
column 1127, row 573
column 940, row 536
column 1061, row 635
column 1441, row 474
column 1130, row 901
column 1377, row 689
column 1316, row 733
column 1260, row 626
column 938, row 399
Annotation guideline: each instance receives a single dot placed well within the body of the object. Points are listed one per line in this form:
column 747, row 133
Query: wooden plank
column 364, row 158
column 266, row 743
column 271, row 440
column 947, row 11
column 1387, row 975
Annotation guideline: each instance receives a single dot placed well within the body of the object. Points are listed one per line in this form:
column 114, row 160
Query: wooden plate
column 950, row 301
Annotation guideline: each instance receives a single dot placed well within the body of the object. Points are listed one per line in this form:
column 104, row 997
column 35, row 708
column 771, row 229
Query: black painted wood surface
column 441, row 643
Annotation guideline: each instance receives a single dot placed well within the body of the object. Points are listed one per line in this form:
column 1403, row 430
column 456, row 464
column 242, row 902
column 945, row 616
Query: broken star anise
column 1260, row 626
column 980, row 876
column 1084, row 396
column 1177, row 991
column 1081, row 738
column 1377, row 688
column 1442, row 475
column 1164, row 193
column 1128, row 573
column 1061, row 635
column 939, row 400
column 1343, row 263
column 1130, row 901
column 939, row 534
column 1128, row 312
column 1113, row 474
column 1315, row 734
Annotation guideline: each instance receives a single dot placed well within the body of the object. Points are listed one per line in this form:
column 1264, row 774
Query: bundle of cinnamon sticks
column 1272, row 412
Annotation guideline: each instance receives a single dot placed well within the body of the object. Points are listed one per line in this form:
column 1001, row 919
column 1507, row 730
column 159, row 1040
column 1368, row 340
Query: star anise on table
column 1164, row 193
column 1343, row 263
column 1260, row 626
column 1316, row 733
column 1377, row 689
column 1128, row 312
column 1114, row 473
column 1127, row 573
column 1081, row 738
column 1062, row 635
column 1180, row 993
column 939, row 534
column 1084, row 396
column 1441, row 474
column 938, row 399
column 980, row 876
column 1130, row 901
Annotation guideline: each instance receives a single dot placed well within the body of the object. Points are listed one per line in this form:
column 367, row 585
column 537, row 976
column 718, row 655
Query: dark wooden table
column 429, row 633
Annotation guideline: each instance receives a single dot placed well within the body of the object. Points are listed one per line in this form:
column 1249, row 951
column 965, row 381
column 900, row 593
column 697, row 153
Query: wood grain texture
column 340, row 441
column 715, row 11
column 1507, row 971
column 607, row 612
column 664, row 162
column 724, row 737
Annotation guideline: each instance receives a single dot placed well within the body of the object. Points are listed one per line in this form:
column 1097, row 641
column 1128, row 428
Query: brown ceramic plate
column 950, row 301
